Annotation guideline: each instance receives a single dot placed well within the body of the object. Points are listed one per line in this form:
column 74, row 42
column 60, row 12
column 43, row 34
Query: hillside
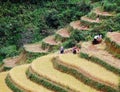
column 32, row 33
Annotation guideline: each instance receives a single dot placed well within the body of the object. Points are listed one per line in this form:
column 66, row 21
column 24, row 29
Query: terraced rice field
column 18, row 76
column 90, row 20
column 34, row 48
column 50, row 40
column 63, row 32
column 103, row 13
column 90, row 68
column 114, row 36
column 98, row 51
column 43, row 66
column 3, row 86
column 78, row 25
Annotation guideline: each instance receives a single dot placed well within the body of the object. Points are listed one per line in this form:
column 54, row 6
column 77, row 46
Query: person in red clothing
column 74, row 50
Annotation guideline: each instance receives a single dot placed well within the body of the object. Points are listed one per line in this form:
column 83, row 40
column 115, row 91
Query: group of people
column 74, row 50
column 97, row 39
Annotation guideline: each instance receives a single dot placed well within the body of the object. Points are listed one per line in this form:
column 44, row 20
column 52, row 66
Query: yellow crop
column 43, row 66
column 18, row 76
column 93, row 69
column 3, row 86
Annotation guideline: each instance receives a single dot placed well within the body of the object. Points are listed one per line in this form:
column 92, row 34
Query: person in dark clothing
column 61, row 50
column 97, row 39
column 74, row 50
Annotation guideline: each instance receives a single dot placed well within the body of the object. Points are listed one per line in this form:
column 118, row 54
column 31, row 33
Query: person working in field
column 97, row 39
column 61, row 50
column 74, row 50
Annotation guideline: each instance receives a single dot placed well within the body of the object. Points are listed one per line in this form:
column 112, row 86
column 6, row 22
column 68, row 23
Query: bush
column 9, row 51
column 69, row 43
column 77, row 35
column 110, row 6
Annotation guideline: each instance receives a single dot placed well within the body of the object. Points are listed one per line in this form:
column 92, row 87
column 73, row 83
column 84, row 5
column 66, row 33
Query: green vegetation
column 24, row 21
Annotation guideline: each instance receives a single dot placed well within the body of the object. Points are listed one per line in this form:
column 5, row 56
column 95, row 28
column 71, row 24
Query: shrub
column 9, row 51
column 69, row 43
column 77, row 35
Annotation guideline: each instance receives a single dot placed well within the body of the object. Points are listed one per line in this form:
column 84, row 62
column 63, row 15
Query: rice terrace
column 59, row 45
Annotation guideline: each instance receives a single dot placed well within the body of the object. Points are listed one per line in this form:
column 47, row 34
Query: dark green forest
column 29, row 21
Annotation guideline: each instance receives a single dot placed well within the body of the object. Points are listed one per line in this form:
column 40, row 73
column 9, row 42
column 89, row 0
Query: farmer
column 97, row 39
column 61, row 50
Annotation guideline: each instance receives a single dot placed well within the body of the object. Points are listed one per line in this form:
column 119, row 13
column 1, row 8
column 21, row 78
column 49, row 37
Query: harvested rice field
column 36, row 48
column 50, row 40
column 18, row 76
column 114, row 36
column 43, row 67
column 99, row 52
column 3, row 86
column 92, row 69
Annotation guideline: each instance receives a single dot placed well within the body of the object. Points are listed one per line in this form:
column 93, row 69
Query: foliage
column 31, row 56
column 69, row 43
column 111, row 5
column 110, row 24
column 9, row 51
column 78, row 35
column 82, row 78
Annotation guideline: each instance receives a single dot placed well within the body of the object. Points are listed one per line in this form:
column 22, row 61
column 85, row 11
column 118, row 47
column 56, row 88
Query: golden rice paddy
column 43, row 66
column 91, row 68
column 3, row 86
column 18, row 76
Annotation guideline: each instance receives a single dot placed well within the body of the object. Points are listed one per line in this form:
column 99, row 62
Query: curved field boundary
column 90, row 69
column 43, row 67
column 80, row 75
column 11, row 62
column 50, row 40
column 63, row 33
column 100, row 56
column 77, row 25
column 18, row 77
column 35, row 48
column 44, row 82
column 97, row 11
column 3, row 86
column 85, row 18
column 113, row 43
column 12, row 85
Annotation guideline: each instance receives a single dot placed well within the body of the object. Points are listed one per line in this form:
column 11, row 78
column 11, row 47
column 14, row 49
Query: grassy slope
column 18, row 75
column 3, row 86
column 92, row 68
column 44, row 67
